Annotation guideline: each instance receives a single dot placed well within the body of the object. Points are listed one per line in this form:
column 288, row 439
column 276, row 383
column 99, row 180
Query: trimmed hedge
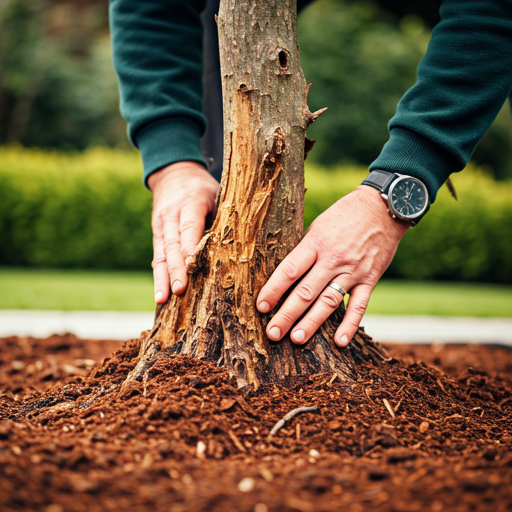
column 90, row 210
column 85, row 210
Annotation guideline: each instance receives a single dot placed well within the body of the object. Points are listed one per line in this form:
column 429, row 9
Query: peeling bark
column 260, row 214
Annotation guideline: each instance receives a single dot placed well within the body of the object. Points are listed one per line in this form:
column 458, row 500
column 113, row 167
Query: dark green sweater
column 463, row 81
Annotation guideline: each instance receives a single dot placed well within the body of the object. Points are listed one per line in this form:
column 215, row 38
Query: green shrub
column 85, row 210
column 90, row 210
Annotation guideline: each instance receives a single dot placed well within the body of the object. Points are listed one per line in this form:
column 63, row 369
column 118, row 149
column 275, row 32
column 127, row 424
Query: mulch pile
column 408, row 436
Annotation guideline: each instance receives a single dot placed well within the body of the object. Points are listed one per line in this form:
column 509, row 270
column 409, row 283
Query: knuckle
column 268, row 292
column 156, row 226
column 187, row 250
column 205, row 204
column 359, row 308
column 286, row 317
column 167, row 212
column 305, row 292
column 330, row 300
column 316, row 232
column 157, row 261
column 313, row 323
column 334, row 259
column 353, row 326
column 173, row 270
column 170, row 246
column 188, row 225
column 289, row 269
column 272, row 296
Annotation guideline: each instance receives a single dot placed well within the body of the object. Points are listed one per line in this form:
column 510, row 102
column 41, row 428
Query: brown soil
column 73, row 439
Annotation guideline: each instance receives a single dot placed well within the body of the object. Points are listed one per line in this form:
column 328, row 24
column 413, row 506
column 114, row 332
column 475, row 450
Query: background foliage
column 89, row 210
column 57, row 85
column 58, row 88
column 361, row 59
column 58, row 91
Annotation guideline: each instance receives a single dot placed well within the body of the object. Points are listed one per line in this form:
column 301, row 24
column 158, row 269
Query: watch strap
column 381, row 180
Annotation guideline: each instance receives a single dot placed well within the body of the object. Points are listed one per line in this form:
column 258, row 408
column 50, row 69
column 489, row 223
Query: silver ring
column 339, row 288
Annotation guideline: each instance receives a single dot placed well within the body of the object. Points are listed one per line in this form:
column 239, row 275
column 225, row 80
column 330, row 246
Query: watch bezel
column 389, row 193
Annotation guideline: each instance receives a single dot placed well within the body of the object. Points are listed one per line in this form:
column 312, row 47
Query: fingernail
column 274, row 333
column 264, row 307
column 298, row 336
column 344, row 340
column 176, row 286
column 159, row 296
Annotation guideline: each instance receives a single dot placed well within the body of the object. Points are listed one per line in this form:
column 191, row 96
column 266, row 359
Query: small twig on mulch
column 236, row 441
column 425, row 419
column 333, row 378
column 291, row 415
column 440, row 384
column 389, row 408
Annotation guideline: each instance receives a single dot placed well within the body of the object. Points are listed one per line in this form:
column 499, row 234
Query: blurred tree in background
column 361, row 61
column 57, row 85
column 58, row 88
column 362, row 57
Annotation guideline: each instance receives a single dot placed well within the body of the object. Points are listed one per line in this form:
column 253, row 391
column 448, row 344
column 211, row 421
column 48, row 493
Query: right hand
column 184, row 194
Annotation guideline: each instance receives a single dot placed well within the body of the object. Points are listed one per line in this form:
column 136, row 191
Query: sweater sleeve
column 462, row 82
column 157, row 51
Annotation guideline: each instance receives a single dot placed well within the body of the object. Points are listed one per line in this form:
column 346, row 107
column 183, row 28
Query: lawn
column 70, row 290
column 133, row 291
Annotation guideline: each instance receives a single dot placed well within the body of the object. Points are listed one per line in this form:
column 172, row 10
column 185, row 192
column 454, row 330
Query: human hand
column 184, row 193
column 352, row 243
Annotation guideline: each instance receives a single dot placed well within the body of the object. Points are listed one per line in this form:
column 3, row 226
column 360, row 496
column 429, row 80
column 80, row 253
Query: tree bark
column 260, row 214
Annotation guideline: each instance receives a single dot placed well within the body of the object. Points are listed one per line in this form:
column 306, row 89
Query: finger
column 326, row 303
column 359, row 298
column 299, row 300
column 191, row 229
column 160, row 273
column 175, row 262
column 290, row 269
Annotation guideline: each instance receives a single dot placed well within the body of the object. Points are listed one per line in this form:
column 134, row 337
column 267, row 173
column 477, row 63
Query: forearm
column 463, row 81
column 157, row 51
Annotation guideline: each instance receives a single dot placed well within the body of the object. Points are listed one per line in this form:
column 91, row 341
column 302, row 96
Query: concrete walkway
column 106, row 325
column 436, row 329
column 126, row 325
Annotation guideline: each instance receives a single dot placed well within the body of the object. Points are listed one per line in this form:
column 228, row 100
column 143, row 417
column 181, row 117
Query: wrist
column 183, row 167
column 406, row 197
column 379, row 211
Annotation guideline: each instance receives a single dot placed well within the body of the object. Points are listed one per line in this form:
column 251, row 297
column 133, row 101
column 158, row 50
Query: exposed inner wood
column 260, row 214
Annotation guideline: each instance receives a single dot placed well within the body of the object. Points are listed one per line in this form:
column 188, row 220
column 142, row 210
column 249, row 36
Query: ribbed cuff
column 409, row 153
column 166, row 141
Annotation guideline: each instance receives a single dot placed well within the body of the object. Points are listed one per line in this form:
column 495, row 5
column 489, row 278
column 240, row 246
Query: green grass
column 441, row 298
column 70, row 290
column 133, row 291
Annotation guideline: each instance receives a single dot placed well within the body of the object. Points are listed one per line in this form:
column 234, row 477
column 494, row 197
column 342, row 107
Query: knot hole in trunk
column 283, row 60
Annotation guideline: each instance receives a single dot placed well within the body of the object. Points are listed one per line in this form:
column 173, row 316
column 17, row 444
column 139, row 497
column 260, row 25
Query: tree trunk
column 260, row 214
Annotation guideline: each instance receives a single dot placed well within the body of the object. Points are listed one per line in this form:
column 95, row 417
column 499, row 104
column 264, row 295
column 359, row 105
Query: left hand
column 352, row 244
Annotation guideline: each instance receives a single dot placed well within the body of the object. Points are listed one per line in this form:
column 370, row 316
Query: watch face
column 408, row 197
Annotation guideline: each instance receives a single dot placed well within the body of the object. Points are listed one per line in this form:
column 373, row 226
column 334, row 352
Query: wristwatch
column 406, row 197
